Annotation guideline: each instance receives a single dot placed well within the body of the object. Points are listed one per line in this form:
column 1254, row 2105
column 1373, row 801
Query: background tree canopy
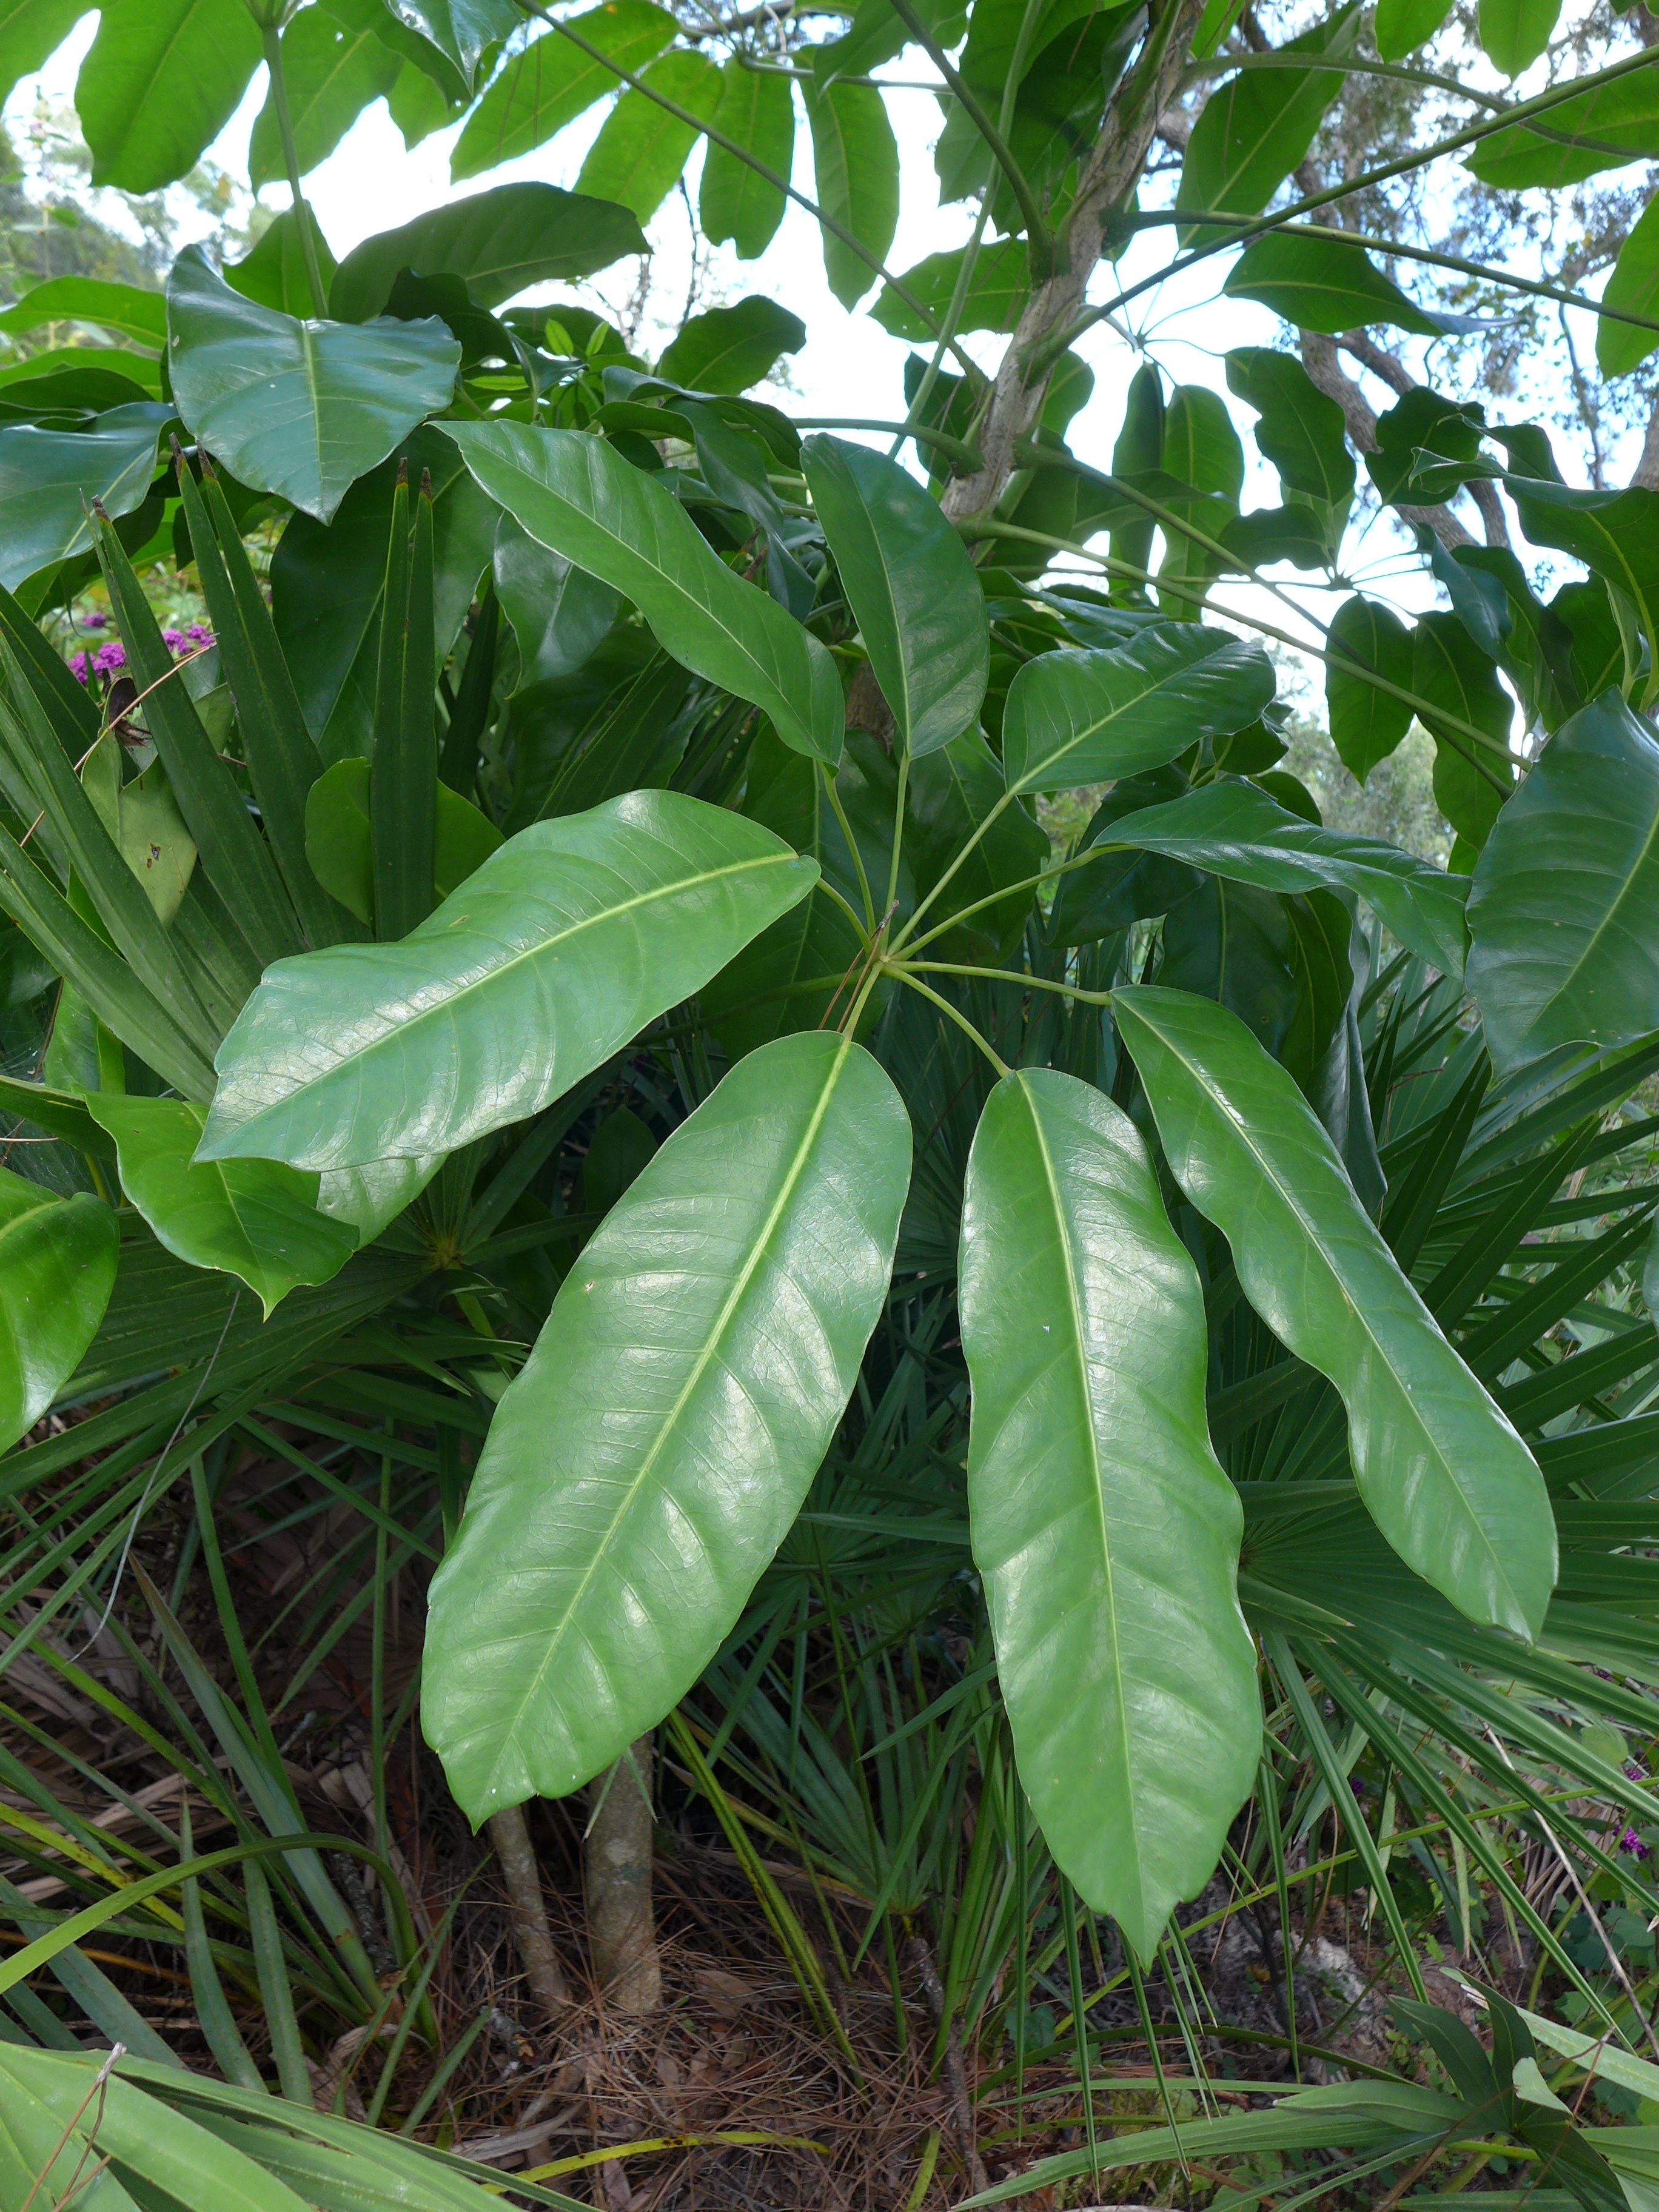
column 737, row 1145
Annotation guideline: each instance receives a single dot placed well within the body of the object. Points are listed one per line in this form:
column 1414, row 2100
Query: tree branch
column 1319, row 359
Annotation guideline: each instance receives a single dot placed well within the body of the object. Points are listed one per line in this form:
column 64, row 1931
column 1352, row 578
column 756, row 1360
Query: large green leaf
column 576, row 494
column 160, row 81
column 1114, row 889
column 30, row 31
column 996, row 295
column 500, row 241
column 756, row 112
column 1615, row 533
column 1603, row 129
column 856, row 172
column 1564, row 909
column 645, row 1465
column 56, row 1271
column 1443, row 1474
column 1634, row 287
column 643, row 146
column 460, row 30
column 552, row 82
column 136, row 314
column 915, row 592
column 48, row 479
column 561, row 947
column 300, row 409
column 1301, row 431
column 1076, row 718
column 145, row 826
column 1401, row 26
column 1514, row 33
column 339, row 848
column 1367, row 723
column 1324, row 284
column 276, row 273
column 1258, row 124
column 331, row 71
column 1449, row 670
column 1103, row 1524
column 1234, row 828
column 727, row 349
column 253, row 1218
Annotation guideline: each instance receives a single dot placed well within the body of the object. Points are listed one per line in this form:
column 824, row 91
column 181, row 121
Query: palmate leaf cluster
column 575, row 975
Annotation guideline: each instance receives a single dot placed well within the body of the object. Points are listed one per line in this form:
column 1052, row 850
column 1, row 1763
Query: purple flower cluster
column 195, row 638
column 1631, row 1844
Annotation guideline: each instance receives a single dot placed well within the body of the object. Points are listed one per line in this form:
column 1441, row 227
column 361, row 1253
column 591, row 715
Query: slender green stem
column 985, row 526
column 1224, row 65
column 961, row 1020
column 271, row 40
column 891, row 899
column 840, row 813
column 980, row 828
column 958, row 449
column 716, row 136
column 871, row 976
column 1039, row 246
column 1393, row 248
column 994, row 898
column 1010, row 975
column 1057, row 341
column 824, row 885
column 909, row 429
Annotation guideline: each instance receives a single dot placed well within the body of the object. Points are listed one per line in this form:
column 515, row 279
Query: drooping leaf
column 578, row 496
column 460, row 30
column 1401, row 26
column 330, row 72
column 56, row 1271
column 136, row 314
column 1633, row 286
column 1258, row 124
column 1367, row 722
column 256, row 1220
column 552, row 82
column 726, row 349
column 609, row 1544
column 1443, row 1474
column 1423, row 418
column 1324, row 284
column 502, row 241
column 856, row 170
column 1601, row 129
column 1103, row 1524
column 48, row 479
column 997, row 293
column 1200, row 445
column 1514, row 33
column 1470, row 780
column 916, row 596
column 1088, row 717
column 643, row 146
column 756, row 112
column 338, row 845
column 1565, row 908
column 160, row 81
column 301, row 409
column 275, row 274
column 576, row 934
column 1301, row 431
column 31, row 31
column 1232, row 828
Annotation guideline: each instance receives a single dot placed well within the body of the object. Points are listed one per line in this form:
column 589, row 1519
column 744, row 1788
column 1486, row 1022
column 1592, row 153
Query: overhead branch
column 1319, row 359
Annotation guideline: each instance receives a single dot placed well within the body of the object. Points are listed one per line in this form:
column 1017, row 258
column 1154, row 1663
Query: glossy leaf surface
column 1367, row 722
column 1564, row 910
column 553, row 81
column 49, row 478
column 578, row 496
column 1076, row 718
column 1104, row 1527
column 1234, row 828
column 728, row 349
column 256, row 1220
column 556, row 953
column 643, row 1468
column 160, row 81
column 916, row 595
column 300, row 409
column 56, row 1271
column 1443, row 1474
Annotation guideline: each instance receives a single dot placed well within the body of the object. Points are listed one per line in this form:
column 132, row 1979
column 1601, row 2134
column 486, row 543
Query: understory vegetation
column 828, row 1368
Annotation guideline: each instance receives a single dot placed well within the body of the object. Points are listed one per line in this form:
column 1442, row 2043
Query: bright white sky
column 849, row 366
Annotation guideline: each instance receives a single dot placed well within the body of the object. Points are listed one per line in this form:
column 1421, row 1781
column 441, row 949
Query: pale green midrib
column 532, row 952
column 705, row 609
column 308, row 369
column 699, row 1368
column 1093, row 729
column 1650, row 842
column 1311, row 1231
column 1097, row 1492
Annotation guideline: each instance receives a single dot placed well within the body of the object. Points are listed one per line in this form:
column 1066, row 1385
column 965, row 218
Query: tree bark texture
column 509, row 1831
column 621, row 1925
